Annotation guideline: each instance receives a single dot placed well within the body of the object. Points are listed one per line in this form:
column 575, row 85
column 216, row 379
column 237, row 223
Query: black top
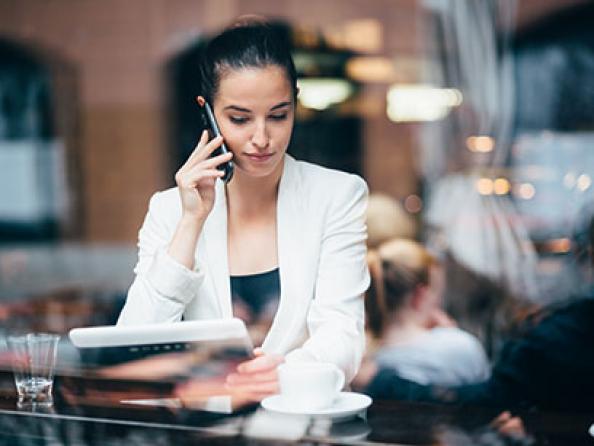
column 256, row 296
column 551, row 366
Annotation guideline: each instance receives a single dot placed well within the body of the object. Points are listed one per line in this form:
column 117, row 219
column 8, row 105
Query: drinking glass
column 33, row 359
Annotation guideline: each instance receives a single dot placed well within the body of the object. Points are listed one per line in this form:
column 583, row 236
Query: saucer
column 347, row 404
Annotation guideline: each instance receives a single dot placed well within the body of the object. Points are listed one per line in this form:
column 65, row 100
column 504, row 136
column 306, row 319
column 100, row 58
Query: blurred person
column 282, row 234
column 386, row 219
column 549, row 366
column 416, row 338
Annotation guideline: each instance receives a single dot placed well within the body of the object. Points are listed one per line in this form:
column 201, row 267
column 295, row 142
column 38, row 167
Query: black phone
column 213, row 132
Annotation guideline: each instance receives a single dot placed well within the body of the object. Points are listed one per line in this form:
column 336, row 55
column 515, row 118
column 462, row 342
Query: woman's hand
column 196, row 178
column 257, row 378
column 509, row 425
column 196, row 183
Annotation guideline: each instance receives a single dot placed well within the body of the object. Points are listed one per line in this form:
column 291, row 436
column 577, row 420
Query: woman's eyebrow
column 247, row 110
column 237, row 108
column 281, row 105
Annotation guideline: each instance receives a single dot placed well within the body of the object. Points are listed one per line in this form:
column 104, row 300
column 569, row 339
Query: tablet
column 207, row 342
column 161, row 333
column 146, row 364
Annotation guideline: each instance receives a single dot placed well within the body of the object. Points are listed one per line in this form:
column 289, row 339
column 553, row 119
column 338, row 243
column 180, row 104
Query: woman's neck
column 248, row 195
column 404, row 328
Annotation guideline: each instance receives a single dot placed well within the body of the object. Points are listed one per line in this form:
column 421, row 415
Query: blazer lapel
column 215, row 236
column 290, row 211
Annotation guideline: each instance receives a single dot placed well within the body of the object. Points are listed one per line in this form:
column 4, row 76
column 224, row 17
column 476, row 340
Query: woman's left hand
column 256, row 378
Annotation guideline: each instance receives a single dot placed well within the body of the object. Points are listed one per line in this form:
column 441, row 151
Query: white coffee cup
column 309, row 386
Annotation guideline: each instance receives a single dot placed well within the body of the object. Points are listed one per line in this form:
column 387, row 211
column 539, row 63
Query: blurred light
column 501, row 186
column 370, row 69
column 359, row 35
column 558, row 245
column 569, row 180
column 420, row 102
column 484, row 186
column 480, row 144
column 321, row 93
column 583, row 182
column 413, row 204
column 526, row 191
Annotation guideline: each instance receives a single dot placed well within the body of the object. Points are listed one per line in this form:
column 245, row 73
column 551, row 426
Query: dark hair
column 397, row 267
column 246, row 45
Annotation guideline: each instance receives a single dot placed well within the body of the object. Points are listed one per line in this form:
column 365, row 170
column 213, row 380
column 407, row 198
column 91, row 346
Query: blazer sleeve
column 162, row 287
column 335, row 320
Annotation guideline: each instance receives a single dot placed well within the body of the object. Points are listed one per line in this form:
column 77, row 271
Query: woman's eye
column 279, row 117
column 238, row 119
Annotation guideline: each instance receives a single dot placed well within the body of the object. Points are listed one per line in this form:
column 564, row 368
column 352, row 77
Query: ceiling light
column 501, row 186
column 370, row 69
column 480, row 144
column 321, row 93
column 484, row 186
column 420, row 102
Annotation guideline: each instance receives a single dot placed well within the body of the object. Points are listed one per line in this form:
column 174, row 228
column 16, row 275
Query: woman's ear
column 201, row 101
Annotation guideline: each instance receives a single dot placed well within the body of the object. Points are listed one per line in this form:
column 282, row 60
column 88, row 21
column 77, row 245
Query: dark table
column 89, row 411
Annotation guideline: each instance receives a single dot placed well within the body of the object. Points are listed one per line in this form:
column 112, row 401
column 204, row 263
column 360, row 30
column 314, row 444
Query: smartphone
column 214, row 131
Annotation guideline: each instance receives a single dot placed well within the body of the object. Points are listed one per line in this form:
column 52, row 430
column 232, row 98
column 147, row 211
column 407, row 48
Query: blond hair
column 397, row 267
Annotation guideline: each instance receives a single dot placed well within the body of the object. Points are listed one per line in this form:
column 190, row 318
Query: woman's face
column 255, row 113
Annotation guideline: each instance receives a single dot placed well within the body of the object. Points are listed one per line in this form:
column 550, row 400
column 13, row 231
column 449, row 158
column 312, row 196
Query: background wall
column 119, row 50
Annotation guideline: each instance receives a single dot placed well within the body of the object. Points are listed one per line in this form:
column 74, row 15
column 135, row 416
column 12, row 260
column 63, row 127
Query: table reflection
column 155, row 400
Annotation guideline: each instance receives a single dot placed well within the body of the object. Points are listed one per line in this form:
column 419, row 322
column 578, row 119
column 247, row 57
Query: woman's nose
column 260, row 138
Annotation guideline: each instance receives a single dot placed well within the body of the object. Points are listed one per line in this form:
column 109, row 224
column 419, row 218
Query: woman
column 300, row 225
column 404, row 313
column 548, row 366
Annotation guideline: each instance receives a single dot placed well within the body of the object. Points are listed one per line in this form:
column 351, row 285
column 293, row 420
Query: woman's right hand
column 197, row 177
column 196, row 184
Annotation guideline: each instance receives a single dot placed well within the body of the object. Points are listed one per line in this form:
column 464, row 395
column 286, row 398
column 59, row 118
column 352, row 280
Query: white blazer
column 322, row 260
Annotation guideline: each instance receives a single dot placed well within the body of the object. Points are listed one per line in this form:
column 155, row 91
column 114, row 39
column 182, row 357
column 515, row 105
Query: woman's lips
column 259, row 157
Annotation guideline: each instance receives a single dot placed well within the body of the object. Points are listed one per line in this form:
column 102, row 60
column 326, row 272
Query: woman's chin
column 258, row 171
